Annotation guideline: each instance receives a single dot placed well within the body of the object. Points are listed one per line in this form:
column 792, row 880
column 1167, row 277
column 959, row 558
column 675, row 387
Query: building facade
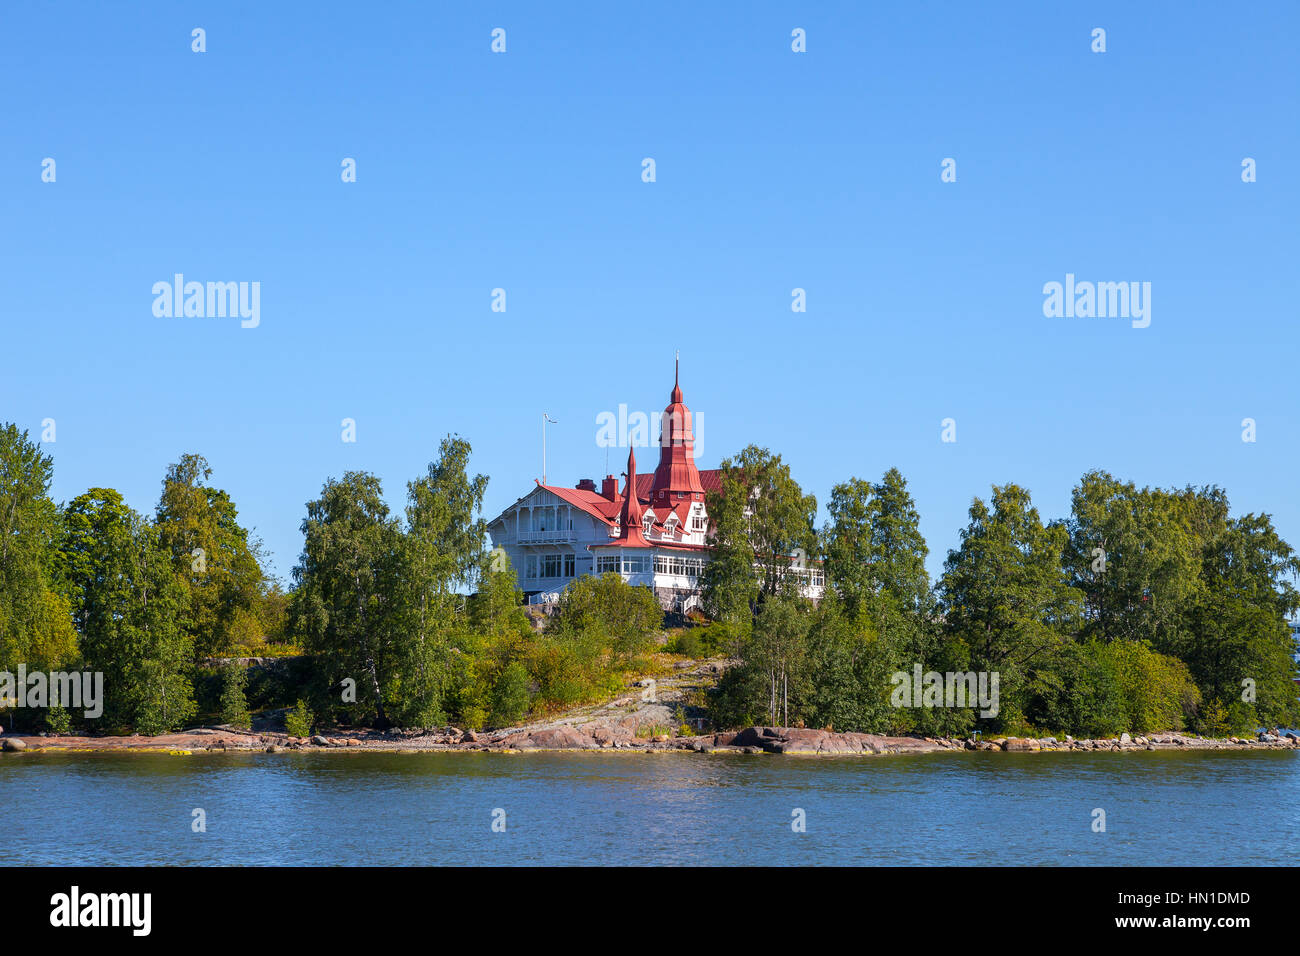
column 653, row 531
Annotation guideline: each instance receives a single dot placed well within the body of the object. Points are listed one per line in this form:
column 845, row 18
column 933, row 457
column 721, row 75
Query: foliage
column 129, row 609
column 760, row 520
column 35, row 617
column 299, row 721
column 211, row 553
column 234, row 703
column 347, row 605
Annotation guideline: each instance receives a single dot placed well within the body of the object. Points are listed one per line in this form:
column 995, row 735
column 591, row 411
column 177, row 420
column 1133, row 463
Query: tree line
column 1144, row 609
column 391, row 619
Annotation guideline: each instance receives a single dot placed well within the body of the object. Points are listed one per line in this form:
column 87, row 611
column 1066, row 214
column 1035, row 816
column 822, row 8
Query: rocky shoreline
column 614, row 737
column 641, row 720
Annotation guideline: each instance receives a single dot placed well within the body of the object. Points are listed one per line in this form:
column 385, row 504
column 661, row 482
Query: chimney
column 609, row 488
column 586, row 484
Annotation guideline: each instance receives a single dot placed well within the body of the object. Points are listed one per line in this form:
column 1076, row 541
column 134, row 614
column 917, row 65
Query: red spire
column 676, row 474
column 630, row 533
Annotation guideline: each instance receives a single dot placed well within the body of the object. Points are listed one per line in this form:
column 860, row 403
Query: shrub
column 234, row 704
column 298, row 722
column 510, row 696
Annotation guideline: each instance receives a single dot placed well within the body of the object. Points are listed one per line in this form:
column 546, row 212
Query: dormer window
column 649, row 522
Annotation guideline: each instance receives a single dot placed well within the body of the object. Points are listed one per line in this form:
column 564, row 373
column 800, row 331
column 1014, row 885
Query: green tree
column 875, row 561
column 510, row 696
column 442, row 552
column 1004, row 592
column 129, row 609
column 846, row 674
column 623, row 615
column 1133, row 555
column 347, row 605
column 199, row 527
column 234, row 702
column 497, row 608
column 760, row 520
column 35, row 618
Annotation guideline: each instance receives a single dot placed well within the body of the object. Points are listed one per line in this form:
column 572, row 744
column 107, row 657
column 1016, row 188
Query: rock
column 1125, row 739
column 754, row 737
column 1021, row 744
column 273, row 749
column 14, row 745
column 557, row 738
column 353, row 742
column 469, row 737
column 320, row 741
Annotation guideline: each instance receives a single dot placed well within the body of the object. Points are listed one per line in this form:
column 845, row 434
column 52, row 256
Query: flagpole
column 545, row 418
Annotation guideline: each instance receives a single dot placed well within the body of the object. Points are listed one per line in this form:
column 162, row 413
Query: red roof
column 710, row 480
column 629, row 532
column 675, row 483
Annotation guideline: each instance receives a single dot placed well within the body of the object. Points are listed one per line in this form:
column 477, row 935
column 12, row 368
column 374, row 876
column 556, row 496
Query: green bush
column 510, row 695
column 298, row 722
column 234, row 705
column 1156, row 691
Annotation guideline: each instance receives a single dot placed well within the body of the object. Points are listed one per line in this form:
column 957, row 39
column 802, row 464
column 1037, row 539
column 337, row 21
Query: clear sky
column 775, row 170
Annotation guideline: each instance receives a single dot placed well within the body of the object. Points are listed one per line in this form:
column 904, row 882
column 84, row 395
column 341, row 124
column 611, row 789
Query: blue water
column 1218, row 808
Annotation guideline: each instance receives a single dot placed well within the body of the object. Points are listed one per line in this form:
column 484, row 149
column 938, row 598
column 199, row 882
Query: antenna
column 545, row 418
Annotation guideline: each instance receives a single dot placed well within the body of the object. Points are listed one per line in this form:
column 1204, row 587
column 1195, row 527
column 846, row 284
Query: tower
column 676, row 479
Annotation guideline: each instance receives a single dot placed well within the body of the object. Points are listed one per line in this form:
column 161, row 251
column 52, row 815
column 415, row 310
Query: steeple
column 676, row 478
column 630, row 532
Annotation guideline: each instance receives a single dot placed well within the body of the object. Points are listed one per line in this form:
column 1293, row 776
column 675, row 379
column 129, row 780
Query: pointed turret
column 630, row 532
column 676, row 478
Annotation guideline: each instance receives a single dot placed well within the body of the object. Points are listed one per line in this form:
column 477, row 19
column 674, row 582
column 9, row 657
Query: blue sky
column 775, row 170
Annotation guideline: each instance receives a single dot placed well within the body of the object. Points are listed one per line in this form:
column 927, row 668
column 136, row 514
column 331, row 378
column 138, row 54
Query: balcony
column 558, row 536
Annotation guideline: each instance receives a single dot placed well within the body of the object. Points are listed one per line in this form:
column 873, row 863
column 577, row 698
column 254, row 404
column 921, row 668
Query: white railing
column 558, row 536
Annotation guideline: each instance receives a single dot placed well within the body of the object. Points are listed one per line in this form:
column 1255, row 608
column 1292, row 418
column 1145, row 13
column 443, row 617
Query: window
column 607, row 563
column 532, row 567
column 550, row 565
column 568, row 565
